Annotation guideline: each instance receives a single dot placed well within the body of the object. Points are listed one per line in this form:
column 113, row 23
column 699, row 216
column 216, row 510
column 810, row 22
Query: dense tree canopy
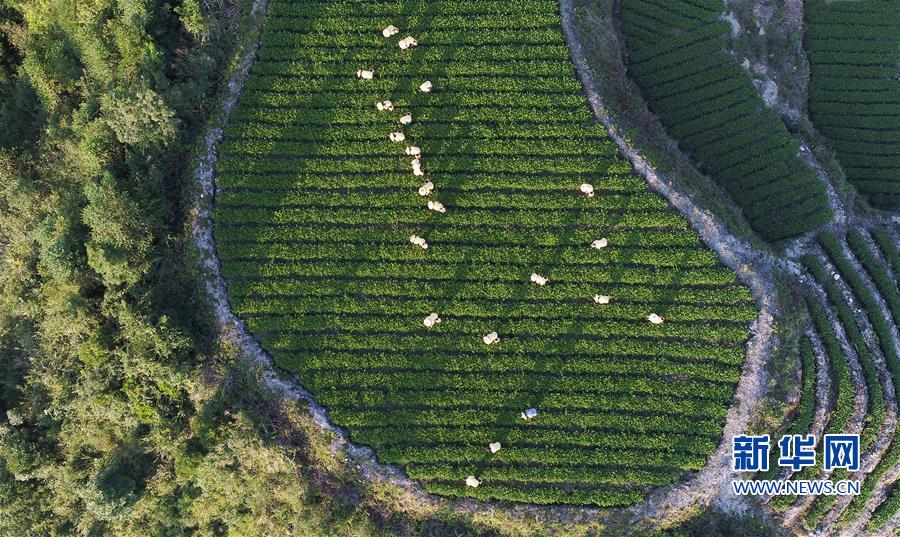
column 101, row 432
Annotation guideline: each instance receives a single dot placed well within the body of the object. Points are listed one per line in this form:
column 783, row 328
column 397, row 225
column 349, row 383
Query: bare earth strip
column 793, row 515
column 754, row 268
column 856, row 528
column 682, row 499
column 236, row 333
column 889, row 429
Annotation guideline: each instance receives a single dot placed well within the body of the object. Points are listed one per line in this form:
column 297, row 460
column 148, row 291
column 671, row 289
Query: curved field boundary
column 730, row 249
column 753, row 267
column 677, row 55
column 625, row 405
column 235, row 330
column 858, row 290
column 673, row 502
column 880, row 409
column 850, row 401
column 875, row 296
column 887, row 516
column 880, row 477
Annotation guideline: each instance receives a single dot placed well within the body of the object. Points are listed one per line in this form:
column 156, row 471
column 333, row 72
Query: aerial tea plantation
column 677, row 54
column 438, row 238
column 854, row 90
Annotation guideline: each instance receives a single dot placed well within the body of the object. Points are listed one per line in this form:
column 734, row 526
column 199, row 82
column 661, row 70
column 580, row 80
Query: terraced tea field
column 854, row 90
column 855, row 305
column 676, row 53
column 321, row 223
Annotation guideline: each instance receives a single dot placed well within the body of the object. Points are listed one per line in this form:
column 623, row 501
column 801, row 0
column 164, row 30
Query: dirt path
column 878, row 496
column 822, row 390
column 740, row 257
column 870, row 459
column 883, row 309
column 823, row 385
column 889, row 529
column 860, row 402
column 727, row 247
column 754, row 268
column 890, row 428
column 408, row 495
column 838, row 221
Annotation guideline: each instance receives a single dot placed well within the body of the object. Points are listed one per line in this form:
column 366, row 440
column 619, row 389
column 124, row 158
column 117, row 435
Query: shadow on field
column 324, row 103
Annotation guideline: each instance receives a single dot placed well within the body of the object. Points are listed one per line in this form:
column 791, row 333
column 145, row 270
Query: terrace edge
column 754, row 268
column 738, row 256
